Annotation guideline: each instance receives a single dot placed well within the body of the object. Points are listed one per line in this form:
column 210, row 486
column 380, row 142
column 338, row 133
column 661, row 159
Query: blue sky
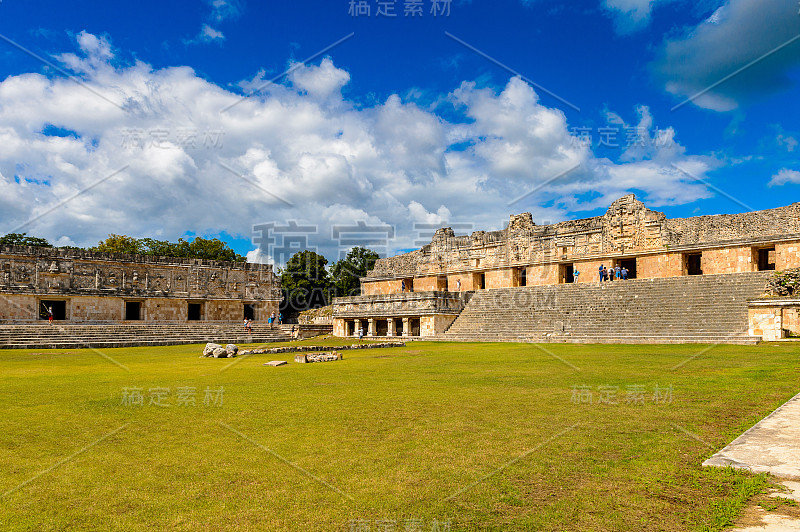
column 118, row 118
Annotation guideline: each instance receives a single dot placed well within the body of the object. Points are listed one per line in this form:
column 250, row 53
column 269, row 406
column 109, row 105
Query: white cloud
column 785, row 176
column 630, row 15
column 307, row 155
column 788, row 141
column 209, row 34
column 737, row 34
column 225, row 9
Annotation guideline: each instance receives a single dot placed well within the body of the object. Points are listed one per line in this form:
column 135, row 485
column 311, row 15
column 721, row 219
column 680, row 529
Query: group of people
column 248, row 323
column 613, row 273
column 272, row 319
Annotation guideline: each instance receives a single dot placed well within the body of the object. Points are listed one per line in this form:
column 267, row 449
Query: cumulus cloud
column 629, row 15
column 159, row 155
column 209, row 34
column 785, row 176
column 696, row 64
column 221, row 10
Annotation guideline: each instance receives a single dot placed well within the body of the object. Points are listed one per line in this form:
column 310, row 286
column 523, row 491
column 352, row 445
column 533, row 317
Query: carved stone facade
column 406, row 314
column 650, row 244
column 629, row 235
column 85, row 286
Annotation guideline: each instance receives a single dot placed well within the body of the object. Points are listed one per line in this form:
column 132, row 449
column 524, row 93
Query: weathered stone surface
column 97, row 284
column 232, row 349
column 220, row 352
column 300, row 359
column 308, row 348
column 276, row 363
column 323, row 357
column 627, row 226
column 209, row 349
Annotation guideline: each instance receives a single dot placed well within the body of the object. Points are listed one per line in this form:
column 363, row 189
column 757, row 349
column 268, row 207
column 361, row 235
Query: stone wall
column 627, row 230
column 772, row 318
column 96, row 286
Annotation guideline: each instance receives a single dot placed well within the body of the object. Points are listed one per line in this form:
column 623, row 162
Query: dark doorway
column 766, row 259
column 480, row 281
column 398, row 327
column 195, row 311
column 381, row 328
column 523, row 276
column 133, row 310
column 630, row 264
column 349, row 328
column 567, row 273
column 694, row 264
column 413, row 324
column 59, row 310
column 249, row 311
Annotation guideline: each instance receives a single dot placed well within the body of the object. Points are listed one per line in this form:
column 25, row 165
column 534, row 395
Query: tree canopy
column 197, row 248
column 345, row 273
column 305, row 282
column 20, row 239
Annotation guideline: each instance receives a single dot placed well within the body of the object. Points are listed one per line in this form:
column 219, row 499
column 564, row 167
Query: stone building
column 84, row 286
column 525, row 254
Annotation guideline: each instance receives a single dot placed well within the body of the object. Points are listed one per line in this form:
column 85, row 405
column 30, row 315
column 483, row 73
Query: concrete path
column 771, row 446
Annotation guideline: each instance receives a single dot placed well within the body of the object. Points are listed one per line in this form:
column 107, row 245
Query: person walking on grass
column 360, row 333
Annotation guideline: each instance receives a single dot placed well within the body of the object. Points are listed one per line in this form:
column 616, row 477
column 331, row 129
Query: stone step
column 705, row 309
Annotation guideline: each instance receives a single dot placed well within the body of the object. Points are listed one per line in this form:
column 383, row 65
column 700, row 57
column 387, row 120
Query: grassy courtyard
column 423, row 437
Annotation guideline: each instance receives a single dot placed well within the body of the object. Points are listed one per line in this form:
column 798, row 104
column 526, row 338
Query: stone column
column 356, row 327
column 390, row 327
column 406, row 331
column 371, row 328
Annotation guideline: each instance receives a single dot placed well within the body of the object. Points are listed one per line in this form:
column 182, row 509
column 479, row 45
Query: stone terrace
column 64, row 335
column 696, row 309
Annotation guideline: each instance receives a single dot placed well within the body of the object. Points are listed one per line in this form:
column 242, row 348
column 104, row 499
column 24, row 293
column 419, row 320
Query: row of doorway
column 382, row 327
column 133, row 310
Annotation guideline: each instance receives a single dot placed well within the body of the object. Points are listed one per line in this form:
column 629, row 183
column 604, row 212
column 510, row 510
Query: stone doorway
column 249, row 311
column 59, row 309
column 766, row 259
column 133, row 310
column 567, row 273
column 694, row 263
column 630, row 264
column 195, row 312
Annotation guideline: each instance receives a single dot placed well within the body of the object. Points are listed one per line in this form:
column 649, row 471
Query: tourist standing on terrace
column 624, row 274
column 600, row 272
column 458, row 285
column 402, row 286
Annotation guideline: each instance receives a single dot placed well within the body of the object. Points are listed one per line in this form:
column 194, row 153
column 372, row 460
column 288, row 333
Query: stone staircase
column 64, row 335
column 691, row 309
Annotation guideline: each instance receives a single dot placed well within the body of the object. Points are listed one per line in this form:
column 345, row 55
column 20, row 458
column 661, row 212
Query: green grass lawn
column 422, row 437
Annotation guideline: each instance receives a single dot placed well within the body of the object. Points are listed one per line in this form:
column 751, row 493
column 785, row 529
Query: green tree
column 20, row 239
column 197, row 248
column 345, row 273
column 119, row 244
column 305, row 282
